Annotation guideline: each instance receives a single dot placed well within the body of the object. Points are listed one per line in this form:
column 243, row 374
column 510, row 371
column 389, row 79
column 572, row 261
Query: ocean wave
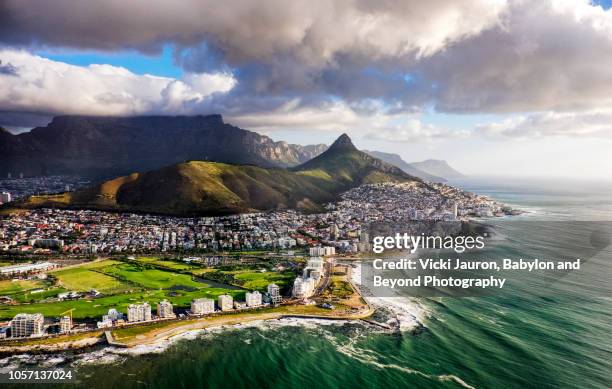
column 372, row 358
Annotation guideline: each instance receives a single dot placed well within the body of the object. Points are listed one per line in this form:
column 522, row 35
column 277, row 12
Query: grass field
column 151, row 278
column 252, row 279
column 85, row 278
column 121, row 283
column 165, row 263
column 259, row 281
column 9, row 287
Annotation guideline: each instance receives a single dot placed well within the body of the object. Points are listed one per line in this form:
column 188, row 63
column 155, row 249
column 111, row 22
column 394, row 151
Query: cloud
column 592, row 124
column 8, row 69
column 353, row 49
column 248, row 30
column 413, row 130
column 544, row 55
column 352, row 65
column 51, row 87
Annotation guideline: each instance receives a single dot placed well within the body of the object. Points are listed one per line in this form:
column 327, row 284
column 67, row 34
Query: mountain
column 111, row 146
column 343, row 166
column 396, row 160
column 212, row 188
column 437, row 167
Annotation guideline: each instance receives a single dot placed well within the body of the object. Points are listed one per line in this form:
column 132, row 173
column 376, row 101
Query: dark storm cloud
column 8, row 69
column 354, row 58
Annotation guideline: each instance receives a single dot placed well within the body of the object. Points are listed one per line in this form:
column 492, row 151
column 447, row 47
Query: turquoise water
column 558, row 336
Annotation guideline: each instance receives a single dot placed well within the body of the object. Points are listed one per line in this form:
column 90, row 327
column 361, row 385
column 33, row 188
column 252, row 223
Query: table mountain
column 212, row 188
column 111, row 146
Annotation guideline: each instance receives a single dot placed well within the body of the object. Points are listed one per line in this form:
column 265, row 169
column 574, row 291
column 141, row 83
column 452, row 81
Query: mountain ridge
column 396, row 160
column 104, row 146
column 212, row 188
column 438, row 167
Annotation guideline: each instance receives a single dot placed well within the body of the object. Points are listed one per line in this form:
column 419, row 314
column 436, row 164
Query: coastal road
column 328, row 270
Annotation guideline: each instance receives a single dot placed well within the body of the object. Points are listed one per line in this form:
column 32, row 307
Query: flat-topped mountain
column 110, row 146
column 211, row 188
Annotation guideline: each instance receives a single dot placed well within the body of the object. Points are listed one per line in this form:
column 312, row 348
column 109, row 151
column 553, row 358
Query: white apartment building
column 303, row 287
column 226, row 302
column 26, row 324
column 139, row 312
column 202, row 306
column 164, row 310
column 253, row 299
column 322, row 251
column 65, row 324
column 274, row 293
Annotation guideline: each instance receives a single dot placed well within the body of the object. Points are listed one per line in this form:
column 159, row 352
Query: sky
column 494, row 87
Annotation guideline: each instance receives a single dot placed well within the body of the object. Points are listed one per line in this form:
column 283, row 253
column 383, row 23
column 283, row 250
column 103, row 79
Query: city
column 302, row 248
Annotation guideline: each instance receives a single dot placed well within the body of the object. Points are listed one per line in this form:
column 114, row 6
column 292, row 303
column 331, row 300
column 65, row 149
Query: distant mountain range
column 409, row 168
column 105, row 147
column 437, row 167
column 111, row 146
column 209, row 188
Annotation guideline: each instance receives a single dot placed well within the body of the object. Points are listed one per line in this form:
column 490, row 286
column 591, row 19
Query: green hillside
column 211, row 188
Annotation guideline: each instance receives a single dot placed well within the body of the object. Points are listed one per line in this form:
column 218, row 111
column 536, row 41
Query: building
column 26, row 324
column 274, row 294
column 28, row 268
column 202, row 306
column 225, row 302
column 5, row 197
column 164, row 310
column 47, row 243
column 322, row 251
column 286, row 242
column 334, row 232
column 65, row 324
column 110, row 319
column 139, row 312
column 240, row 305
column 253, row 299
column 303, row 287
column 317, row 251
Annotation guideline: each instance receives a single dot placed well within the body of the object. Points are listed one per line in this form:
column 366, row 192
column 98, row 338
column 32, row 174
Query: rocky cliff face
column 111, row 146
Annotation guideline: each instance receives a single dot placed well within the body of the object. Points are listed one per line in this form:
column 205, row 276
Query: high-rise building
column 139, row 312
column 455, row 209
column 334, row 232
column 303, row 287
column 202, row 306
column 26, row 324
column 225, row 302
column 274, row 293
column 164, row 309
column 65, row 324
column 322, row 251
column 253, row 299
column 5, row 197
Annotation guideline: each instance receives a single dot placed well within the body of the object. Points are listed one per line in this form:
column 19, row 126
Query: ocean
column 535, row 335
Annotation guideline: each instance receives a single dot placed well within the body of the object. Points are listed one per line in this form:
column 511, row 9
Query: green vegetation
column 122, row 284
column 252, row 279
column 151, row 278
column 9, row 287
column 339, row 288
column 166, row 263
column 199, row 187
column 86, row 277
